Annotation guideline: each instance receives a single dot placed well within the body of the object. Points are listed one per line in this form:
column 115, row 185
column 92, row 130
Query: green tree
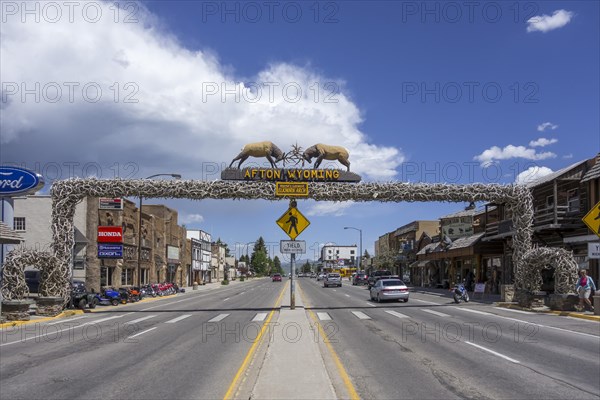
column 259, row 260
column 306, row 267
column 366, row 255
column 277, row 265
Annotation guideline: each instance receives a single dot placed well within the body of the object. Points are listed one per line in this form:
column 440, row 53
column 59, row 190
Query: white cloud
column 568, row 156
column 329, row 208
column 496, row 153
column 541, row 142
column 191, row 219
column 545, row 23
column 531, row 174
column 545, row 125
column 181, row 119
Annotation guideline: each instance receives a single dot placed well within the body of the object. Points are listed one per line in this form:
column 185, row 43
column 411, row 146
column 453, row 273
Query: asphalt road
column 187, row 346
column 430, row 348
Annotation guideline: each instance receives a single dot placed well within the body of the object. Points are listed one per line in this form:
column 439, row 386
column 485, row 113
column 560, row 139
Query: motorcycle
column 108, row 296
column 147, row 291
column 460, row 293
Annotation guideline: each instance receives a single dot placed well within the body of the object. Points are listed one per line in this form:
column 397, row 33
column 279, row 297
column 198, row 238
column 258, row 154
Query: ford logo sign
column 18, row 181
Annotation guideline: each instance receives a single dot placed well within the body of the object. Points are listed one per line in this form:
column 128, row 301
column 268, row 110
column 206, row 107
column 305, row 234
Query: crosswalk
column 371, row 314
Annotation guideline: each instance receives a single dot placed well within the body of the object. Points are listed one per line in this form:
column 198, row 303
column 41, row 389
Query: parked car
column 332, row 279
column 32, row 278
column 389, row 289
column 321, row 276
column 360, row 278
column 276, row 277
column 375, row 276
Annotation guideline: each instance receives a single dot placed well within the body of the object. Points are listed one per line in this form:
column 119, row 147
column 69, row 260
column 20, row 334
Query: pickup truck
column 377, row 275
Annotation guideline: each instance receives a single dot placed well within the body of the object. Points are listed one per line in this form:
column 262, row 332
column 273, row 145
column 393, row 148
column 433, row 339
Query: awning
column 9, row 236
column 419, row 264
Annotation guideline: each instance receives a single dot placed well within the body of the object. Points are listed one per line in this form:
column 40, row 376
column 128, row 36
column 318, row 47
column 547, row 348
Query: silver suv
column 332, row 279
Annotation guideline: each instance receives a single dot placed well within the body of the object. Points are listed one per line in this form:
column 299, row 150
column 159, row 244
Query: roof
column 9, row 236
column 594, row 172
column 459, row 243
column 553, row 175
column 463, row 213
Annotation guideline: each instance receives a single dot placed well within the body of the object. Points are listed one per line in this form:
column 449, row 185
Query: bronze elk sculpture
column 326, row 152
column 260, row 149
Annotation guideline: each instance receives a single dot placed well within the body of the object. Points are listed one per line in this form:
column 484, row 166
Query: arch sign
column 66, row 194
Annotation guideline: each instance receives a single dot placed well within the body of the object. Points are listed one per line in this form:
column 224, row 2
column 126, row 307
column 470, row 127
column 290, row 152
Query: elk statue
column 260, row 149
column 326, row 152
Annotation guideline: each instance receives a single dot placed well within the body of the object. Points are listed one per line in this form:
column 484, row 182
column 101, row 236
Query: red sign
column 110, row 234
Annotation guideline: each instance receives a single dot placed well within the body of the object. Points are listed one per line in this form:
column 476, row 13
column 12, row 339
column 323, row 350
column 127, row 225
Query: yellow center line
column 338, row 363
column 257, row 341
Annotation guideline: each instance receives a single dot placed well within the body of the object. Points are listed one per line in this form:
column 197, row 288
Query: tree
column 366, row 256
column 306, row 267
column 259, row 260
column 227, row 251
column 277, row 266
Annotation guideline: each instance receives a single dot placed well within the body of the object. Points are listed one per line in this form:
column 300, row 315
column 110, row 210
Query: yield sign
column 293, row 222
column 592, row 219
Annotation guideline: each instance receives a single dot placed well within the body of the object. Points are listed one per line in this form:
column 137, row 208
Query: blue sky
column 417, row 91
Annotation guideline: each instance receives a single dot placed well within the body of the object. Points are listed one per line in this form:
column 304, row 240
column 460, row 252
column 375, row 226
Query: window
column 106, row 276
column 127, row 276
column 19, row 223
column 351, row 251
column 549, row 201
column 572, row 200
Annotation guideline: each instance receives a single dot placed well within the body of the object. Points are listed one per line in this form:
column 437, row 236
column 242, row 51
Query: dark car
column 360, row 278
column 277, row 278
column 377, row 275
column 32, row 278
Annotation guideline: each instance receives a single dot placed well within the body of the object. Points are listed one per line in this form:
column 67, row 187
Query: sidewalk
column 484, row 298
column 293, row 367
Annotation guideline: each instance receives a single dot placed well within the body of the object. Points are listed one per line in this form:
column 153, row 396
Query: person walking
column 585, row 285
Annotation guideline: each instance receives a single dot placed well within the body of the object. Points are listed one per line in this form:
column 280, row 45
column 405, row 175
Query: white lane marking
column 226, row 299
column 516, row 311
column 473, row 311
column 37, row 337
column 439, row 314
column 141, row 333
column 360, row 315
column 347, row 295
column 396, row 314
column 67, row 320
column 494, row 352
column 323, row 316
column 135, row 321
column 259, row 317
column 178, row 319
column 428, row 302
column 242, row 292
column 372, row 305
column 218, row 318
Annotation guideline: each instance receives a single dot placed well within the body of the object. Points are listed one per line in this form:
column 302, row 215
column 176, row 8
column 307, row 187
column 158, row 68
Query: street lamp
column 139, row 258
column 358, row 263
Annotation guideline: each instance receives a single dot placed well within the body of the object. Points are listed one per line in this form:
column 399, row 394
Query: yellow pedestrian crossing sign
column 293, row 222
column 592, row 219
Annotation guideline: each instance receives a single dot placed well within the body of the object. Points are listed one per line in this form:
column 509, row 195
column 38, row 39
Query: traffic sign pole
column 292, row 285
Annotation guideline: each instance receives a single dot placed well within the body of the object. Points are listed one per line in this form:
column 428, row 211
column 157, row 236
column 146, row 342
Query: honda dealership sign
column 19, row 181
column 110, row 234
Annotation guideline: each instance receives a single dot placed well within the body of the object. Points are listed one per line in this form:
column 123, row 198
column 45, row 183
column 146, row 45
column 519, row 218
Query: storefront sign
column 297, row 189
column 110, row 203
column 110, row 251
column 18, row 181
column 110, row 234
column 594, row 250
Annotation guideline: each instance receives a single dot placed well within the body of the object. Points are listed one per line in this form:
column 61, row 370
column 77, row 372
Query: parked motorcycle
column 147, row 291
column 460, row 293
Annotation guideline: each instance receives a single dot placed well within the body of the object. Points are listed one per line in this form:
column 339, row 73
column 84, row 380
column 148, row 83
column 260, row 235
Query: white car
column 321, row 276
column 389, row 289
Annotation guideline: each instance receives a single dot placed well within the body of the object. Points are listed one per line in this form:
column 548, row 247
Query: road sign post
column 293, row 223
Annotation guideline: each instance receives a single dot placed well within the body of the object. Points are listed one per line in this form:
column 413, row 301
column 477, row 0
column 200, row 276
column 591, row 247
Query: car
column 321, row 276
column 332, row 279
column 276, row 277
column 389, row 289
column 32, row 279
column 360, row 278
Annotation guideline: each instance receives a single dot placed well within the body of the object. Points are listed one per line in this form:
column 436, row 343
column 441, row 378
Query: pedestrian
column 585, row 285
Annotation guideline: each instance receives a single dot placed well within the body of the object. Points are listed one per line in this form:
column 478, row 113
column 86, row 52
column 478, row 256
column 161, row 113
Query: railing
column 545, row 216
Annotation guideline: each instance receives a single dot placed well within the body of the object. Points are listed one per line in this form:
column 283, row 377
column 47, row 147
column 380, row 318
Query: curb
column 561, row 313
column 64, row 314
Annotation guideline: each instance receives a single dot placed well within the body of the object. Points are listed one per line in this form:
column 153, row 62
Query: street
column 190, row 346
